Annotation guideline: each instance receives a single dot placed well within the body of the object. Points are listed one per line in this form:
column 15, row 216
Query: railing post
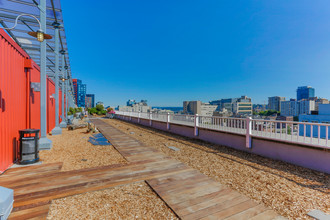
column 168, row 121
column 196, row 125
column 150, row 118
column 139, row 115
column 248, row 132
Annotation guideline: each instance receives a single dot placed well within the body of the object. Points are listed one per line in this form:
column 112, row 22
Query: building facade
column 90, row 101
column 79, row 92
column 274, row 103
column 236, row 106
column 305, row 92
column 133, row 106
column 198, row 107
column 289, row 108
column 295, row 108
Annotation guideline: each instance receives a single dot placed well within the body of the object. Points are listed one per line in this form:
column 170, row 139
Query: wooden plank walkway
column 190, row 194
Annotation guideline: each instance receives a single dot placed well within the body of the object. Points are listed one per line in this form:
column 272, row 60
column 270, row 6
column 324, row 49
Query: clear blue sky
column 170, row 51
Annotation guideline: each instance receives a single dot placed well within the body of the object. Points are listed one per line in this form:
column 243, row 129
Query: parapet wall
column 301, row 155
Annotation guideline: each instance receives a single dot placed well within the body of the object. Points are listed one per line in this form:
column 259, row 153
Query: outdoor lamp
column 63, row 79
column 39, row 34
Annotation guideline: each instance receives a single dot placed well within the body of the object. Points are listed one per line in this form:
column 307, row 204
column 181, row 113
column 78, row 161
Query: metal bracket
column 35, row 86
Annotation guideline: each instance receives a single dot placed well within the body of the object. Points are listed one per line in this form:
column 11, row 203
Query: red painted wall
column 19, row 104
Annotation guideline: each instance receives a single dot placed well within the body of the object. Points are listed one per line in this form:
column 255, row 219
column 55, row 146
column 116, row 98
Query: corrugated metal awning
column 10, row 9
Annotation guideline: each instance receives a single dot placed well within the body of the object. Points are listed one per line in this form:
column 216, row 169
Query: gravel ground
column 133, row 201
column 290, row 190
column 73, row 149
column 123, row 202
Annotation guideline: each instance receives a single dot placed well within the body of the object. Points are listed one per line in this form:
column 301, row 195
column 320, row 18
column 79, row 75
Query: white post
column 196, row 125
column 248, row 132
column 150, row 118
column 139, row 115
column 168, row 121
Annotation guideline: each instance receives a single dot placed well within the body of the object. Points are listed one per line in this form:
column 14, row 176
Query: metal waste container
column 29, row 147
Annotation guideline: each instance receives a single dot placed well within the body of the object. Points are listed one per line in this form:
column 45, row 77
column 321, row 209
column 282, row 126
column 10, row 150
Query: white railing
column 310, row 134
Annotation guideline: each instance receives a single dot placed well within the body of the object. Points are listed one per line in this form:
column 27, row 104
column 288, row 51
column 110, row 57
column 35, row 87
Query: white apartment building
column 306, row 106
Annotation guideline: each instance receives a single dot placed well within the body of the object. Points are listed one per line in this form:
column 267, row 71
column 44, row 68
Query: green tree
column 99, row 107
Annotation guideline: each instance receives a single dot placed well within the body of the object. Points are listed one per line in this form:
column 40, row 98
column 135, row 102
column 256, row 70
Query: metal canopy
column 10, row 9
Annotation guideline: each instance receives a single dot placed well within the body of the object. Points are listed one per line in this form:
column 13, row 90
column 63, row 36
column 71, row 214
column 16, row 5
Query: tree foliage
column 266, row 113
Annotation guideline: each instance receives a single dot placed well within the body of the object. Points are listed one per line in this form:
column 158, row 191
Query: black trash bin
column 29, row 147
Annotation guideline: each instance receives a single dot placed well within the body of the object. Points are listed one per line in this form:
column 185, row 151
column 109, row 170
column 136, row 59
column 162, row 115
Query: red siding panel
column 19, row 104
column 13, row 98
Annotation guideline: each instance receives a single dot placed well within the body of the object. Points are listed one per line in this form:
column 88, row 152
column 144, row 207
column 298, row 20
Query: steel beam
column 57, row 130
column 44, row 142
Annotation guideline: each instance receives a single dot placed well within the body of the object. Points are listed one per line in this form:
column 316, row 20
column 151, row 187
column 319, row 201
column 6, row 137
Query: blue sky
column 170, row 51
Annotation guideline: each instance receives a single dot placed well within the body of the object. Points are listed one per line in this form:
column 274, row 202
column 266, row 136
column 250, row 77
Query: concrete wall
column 309, row 157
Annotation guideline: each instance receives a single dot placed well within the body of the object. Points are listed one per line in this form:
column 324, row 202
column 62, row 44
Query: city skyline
column 171, row 51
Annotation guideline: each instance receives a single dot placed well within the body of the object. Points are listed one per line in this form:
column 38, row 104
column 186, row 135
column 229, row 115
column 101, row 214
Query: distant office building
column 305, row 92
column 90, row 101
column 290, row 108
column 322, row 116
column 274, row 103
column 319, row 101
column 197, row 107
column 237, row 106
column 79, row 92
column 295, row 108
column 133, row 106
column 306, row 106
column 243, row 106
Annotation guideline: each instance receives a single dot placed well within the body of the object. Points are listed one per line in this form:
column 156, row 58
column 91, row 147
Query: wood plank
column 232, row 208
column 224, row 196
column 266, row 215
column 249, row 213
column 39, row 212
column 31, row 170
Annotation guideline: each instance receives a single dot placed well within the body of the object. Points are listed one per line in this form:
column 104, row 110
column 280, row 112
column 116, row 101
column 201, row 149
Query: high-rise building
column 274, row 103
column 79, row 92
column 305, row 92
column 90, row 101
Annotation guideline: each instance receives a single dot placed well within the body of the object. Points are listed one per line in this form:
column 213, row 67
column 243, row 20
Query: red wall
column 19, row 104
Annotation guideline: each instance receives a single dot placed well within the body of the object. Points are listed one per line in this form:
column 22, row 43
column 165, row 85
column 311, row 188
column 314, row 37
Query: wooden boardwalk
column 190, row 194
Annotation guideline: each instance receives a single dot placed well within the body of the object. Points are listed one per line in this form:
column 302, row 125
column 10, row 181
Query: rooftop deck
column 189, row 193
